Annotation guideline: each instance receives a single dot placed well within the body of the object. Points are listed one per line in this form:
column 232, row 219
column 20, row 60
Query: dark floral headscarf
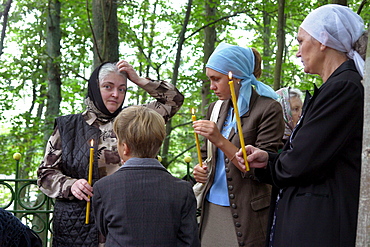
column 284, row 100
column 94, row 99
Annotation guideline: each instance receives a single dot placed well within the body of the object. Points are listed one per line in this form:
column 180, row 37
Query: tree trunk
column 267, row 51
column 5, row 15
column 166, row 143
column 280, row 41
column 105, row 31
column 53, row 37
column 147, row 22
column 363, row 224
column 208, row 48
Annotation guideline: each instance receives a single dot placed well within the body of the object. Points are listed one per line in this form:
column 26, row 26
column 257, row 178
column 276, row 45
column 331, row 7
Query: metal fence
column 23, row 198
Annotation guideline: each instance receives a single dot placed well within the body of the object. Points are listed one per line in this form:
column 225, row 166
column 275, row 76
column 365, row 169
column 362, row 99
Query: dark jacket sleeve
column 321, row 138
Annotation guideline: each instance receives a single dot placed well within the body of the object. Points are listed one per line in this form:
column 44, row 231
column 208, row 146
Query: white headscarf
column 338, row 27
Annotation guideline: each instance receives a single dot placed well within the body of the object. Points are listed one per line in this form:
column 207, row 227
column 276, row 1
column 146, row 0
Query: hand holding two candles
column 209, row 130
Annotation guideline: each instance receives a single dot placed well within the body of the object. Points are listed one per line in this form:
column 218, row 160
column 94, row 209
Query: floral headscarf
column 94, row 99
column 284, row 100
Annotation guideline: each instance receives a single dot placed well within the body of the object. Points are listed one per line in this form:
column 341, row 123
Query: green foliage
column 148, row 34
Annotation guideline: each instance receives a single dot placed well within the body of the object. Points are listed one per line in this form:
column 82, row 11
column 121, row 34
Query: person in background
column 235, row 205
column 318, row 171
column 63, row 172
column 142, row 204
column 13, row 233
column 290, row 100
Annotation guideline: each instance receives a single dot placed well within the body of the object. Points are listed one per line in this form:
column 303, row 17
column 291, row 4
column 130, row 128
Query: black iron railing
column 23, row 198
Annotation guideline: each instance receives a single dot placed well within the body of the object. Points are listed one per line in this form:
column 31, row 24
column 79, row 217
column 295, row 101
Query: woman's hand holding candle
column 81, row 189
column 257, row 158
column 200, row 173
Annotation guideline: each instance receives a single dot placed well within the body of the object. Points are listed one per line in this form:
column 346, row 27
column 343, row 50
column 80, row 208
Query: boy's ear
column 126, row 149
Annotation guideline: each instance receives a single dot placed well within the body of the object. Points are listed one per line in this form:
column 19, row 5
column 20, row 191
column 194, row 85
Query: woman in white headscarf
column 318, row 172
column 235, row 205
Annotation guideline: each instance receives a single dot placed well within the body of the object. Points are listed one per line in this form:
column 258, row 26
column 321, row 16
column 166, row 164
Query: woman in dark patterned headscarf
column 64, row 170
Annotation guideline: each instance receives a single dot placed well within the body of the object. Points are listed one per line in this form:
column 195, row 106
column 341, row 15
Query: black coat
column 319, row 168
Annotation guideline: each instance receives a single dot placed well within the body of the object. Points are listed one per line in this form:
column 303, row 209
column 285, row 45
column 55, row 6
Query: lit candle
column 89, row 179
column 236, row 111
column 193, row 118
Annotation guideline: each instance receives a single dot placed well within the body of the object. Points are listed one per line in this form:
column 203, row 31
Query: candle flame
column 192, row 111
column 92, row 142
column 230, row 75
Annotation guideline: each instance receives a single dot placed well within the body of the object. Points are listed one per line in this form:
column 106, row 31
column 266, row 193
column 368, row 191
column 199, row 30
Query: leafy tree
column 162, row 39
column 148, row 37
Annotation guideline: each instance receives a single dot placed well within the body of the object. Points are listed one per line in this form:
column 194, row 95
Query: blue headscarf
column 240, row 61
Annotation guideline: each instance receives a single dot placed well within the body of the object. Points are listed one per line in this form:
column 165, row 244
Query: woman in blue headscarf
column 235, row 205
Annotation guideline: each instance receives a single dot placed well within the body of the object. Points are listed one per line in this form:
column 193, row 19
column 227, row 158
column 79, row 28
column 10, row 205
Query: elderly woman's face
column 296, row 109
column 113, row 90
column 309, row 52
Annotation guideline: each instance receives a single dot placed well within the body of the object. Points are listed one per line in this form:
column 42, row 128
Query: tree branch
column 92, row 31
column 362, row 5
column 5, row 21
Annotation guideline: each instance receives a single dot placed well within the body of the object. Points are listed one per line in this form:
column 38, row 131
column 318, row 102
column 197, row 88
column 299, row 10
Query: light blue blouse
column 218, row 193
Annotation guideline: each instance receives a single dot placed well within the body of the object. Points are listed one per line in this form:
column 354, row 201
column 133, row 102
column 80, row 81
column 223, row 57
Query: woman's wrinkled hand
column 124, row 66
column 81, row 189
column 257, row 158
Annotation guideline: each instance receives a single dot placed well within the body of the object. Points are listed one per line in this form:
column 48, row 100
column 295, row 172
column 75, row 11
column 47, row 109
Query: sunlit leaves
column 148, row 36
